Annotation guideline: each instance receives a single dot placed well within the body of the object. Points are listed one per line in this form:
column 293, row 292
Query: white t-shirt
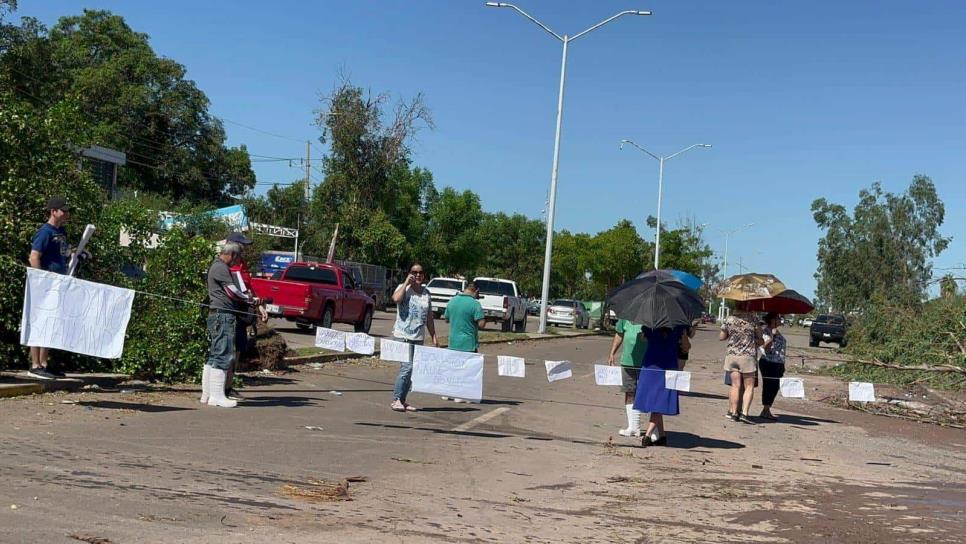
column 412, row 312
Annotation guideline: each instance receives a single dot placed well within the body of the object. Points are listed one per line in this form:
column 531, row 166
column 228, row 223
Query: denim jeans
column 404, row 381
column 221, row 334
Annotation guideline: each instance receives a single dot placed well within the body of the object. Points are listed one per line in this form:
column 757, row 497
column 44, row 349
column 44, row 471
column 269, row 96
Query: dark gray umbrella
column 656, row 300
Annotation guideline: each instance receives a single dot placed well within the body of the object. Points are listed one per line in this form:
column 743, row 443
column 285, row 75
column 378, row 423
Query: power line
column 259, row 130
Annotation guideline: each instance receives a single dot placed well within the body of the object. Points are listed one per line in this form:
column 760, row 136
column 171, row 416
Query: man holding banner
column 49, row 251
column 465, row 316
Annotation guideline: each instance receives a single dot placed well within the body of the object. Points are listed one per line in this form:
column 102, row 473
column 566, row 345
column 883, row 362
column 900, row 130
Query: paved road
column 382, row 323
column 536, row 462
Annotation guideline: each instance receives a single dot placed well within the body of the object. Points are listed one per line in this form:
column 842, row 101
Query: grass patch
column 903, row 378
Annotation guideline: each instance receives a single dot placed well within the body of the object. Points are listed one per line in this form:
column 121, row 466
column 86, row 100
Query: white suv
column 442, row 290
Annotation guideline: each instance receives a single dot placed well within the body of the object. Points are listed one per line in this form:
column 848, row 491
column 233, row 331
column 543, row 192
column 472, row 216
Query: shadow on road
column 698, row 395
column 136, row 406
column 802, row 420
column 689, row 441
column 288, row 402
column 450, row 409
column 484, row 434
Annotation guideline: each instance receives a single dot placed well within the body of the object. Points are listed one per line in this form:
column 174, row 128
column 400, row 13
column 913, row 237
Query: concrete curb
column 8, row 390
column 25, row 385
column 330, row 357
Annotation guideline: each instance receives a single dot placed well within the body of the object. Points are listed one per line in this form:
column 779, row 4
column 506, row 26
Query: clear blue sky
column 800, row 100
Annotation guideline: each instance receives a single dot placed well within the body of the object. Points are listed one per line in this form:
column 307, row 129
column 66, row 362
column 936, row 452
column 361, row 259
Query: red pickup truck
column 313, row 294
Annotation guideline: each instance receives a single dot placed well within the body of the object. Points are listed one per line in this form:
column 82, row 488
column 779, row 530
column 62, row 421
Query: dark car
column 831, row 328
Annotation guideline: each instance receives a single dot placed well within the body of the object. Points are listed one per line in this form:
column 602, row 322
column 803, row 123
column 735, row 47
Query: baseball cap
column 238, row 238
column 58, row 203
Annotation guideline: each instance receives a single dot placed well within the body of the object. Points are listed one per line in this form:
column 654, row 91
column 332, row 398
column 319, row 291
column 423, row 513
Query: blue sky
column 800, row 100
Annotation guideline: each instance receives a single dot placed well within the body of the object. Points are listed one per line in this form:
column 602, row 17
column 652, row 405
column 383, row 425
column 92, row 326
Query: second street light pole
column 548, row 252
column 660, row 191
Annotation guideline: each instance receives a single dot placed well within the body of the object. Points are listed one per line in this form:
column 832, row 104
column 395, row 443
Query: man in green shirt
column 631, row 359
column 465, row 316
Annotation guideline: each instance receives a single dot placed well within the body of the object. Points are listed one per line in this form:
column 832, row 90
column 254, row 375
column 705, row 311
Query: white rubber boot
column 205, row 384
column 216, row 390
column 633, row 422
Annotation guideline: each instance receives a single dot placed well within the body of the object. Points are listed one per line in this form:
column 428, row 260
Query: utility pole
column 308, row 169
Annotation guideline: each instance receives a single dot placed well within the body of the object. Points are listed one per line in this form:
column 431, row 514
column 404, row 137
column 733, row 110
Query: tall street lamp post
column 660, row 190
column 565, row 39
column 727, row 234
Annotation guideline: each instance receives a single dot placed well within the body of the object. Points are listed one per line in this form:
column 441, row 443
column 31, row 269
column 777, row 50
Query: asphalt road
column 535, row 462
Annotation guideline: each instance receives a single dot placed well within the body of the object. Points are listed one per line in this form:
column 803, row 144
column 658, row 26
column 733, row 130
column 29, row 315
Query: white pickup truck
column 502, row 303
column 442, row 290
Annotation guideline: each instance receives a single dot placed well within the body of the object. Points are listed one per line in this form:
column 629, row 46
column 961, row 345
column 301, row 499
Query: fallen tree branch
column 876, row 362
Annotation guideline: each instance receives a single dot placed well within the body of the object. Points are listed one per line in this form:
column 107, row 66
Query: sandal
column 397, row 406
column 410, row 408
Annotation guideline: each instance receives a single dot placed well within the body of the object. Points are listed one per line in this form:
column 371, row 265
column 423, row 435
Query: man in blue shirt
column 49, row 251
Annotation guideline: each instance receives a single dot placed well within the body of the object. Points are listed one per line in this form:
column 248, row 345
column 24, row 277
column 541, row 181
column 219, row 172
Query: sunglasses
column 414, row 272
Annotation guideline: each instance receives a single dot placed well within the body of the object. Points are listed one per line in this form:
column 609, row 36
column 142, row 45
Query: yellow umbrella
column 751, row 287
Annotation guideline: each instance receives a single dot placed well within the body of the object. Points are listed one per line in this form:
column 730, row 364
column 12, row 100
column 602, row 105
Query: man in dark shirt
column 225, row 299
column 49, row 251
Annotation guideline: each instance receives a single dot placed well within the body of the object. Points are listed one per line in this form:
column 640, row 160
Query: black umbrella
column 656, row 300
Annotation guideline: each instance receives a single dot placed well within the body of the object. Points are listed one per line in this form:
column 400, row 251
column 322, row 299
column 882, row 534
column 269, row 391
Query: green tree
column 512, row 247
column 618, row 255
column 452, row 237
column 883, row 248
column 130, row 99
column 573, row 257
column 948, row 287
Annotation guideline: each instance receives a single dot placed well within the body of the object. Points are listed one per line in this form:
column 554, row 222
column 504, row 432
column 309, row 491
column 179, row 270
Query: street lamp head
column 704, row 145
column 642, row 13
column 496, row 5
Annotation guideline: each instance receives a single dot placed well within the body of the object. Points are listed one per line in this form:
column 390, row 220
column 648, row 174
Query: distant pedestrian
column 465, row 316
column 652, row 394
column 225, row 299
column 248, row 315
column 414, row 317
column 743, row 336
column 628, row 336
column 49, row 251
column 772, row 364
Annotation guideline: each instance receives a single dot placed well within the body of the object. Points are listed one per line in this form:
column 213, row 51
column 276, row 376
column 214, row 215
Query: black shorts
column 241, row 337
column 629, row 376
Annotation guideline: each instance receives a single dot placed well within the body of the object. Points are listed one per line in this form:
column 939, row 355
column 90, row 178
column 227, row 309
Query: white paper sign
column 457, row 374
column 75, row 315
column 391, row 350
column 558, row 370
column 510, row 366
column 360, row 342
column 607, row 375
column 329, row 339
column 861, row 392
column 679, row 380
column 792, row 388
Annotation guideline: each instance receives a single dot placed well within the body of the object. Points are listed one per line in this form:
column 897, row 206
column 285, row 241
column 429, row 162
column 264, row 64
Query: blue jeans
column 404, row 381
column 221, row 334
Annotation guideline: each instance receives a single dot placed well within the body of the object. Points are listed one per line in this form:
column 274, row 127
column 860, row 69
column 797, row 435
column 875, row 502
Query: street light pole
column 660, row 190
column 728, row 234
column 565, row 39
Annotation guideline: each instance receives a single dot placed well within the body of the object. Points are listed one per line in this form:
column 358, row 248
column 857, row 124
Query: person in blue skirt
column 652, row 396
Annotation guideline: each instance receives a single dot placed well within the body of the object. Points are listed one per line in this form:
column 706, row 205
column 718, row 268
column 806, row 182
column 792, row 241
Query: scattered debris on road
column 315, row 490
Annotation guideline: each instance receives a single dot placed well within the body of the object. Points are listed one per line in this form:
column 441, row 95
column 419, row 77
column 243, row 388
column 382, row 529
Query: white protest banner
column 792, row 388
column 861, row 392
column 456, row 374
column 679, row 380
column 391, row 350
column 558, row 370
column 329, row 339
column 510, row 366
column 607, row 375
column 360, row 342
column 74, row 315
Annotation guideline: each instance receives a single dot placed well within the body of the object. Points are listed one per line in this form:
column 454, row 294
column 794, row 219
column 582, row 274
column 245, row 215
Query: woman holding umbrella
column 772, row 364
column 665, row 307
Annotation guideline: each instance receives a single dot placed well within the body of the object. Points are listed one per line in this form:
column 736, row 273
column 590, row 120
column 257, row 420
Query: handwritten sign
column 792, row 388
column 607, row 375
column 391, row 350
column 678, row 380
column 861, row 392
column 74, row 315
column 360, row 342
column 510, row 366
column 558, row 370
column 329, row 339
column 449, row 373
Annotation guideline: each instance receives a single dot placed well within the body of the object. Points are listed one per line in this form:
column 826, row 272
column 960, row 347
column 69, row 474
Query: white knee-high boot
column 216, row 390
column 633, row 422
column 205, row 384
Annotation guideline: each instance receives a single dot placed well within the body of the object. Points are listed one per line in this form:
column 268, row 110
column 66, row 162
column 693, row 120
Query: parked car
column 807, row 322
column 565, row 311
column 533, row 307
column 442, row 290
column 707, row 318
column 502, row 303
column 313, row 294
column 828, row 328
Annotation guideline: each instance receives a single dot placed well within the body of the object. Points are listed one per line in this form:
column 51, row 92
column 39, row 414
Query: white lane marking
column 481, row 419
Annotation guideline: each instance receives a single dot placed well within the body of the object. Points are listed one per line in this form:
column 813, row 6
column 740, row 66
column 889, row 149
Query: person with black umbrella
column 665, row 308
